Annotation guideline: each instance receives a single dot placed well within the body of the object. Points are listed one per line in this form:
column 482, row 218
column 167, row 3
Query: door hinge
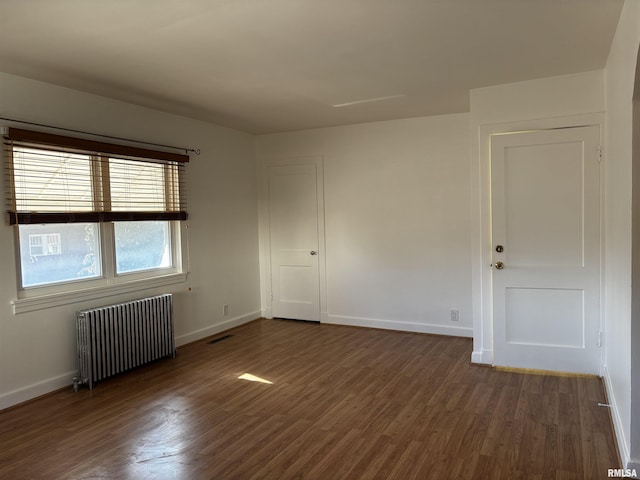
column 600, row 339
column 600, row 154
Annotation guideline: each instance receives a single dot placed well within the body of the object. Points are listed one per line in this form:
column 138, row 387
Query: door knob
column 499, row 265
column 312, row 252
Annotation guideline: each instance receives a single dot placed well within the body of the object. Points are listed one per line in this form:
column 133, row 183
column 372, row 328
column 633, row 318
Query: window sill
column 24, row 305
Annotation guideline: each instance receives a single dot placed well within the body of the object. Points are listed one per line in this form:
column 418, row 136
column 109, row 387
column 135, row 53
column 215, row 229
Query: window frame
column 109, row 281
column 109, row 275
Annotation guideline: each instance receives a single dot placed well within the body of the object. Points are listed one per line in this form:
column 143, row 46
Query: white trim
column 615, row 417
column 35, row 390
column 30, row 304
column 266, row 288
column 482, row 357
column 217, row 328
column 399, row 326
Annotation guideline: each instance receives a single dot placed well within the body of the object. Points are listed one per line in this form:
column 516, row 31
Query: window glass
column 58, row 253
column 142, row 246
column 136, row 186
column 50, row 181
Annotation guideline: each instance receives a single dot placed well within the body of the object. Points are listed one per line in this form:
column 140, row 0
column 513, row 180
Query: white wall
column 397, row 212
column 37, row 349
column 544, row 103
column 620, row 75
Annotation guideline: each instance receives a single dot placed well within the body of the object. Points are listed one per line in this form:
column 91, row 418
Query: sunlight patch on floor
column 253, row 378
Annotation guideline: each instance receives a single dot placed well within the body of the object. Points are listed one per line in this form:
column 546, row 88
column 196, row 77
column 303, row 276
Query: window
column 142, row 246
column 44, row 244
column 44, row 260
column 88, row 211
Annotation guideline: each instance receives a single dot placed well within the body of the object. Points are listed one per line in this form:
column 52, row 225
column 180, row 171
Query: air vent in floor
column 219, row 339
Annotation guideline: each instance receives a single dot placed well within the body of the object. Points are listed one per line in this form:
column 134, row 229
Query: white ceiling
column 277, row 65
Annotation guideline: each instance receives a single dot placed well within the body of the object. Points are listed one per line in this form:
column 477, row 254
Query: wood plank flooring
column 344, row 403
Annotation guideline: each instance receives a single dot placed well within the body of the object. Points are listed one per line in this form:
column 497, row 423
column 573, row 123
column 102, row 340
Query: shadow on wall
column 634, row 449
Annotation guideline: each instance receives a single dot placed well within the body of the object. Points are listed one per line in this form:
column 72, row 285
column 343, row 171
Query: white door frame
column 481, row 229
column 265, row 239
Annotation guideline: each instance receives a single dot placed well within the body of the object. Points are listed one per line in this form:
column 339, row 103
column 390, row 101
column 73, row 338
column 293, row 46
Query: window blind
column 59, row 179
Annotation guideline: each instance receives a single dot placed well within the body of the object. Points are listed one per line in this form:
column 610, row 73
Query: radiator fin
column 117, row 338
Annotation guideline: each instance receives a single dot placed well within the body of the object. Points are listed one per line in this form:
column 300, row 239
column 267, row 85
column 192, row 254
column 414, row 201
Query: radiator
column 117, row 338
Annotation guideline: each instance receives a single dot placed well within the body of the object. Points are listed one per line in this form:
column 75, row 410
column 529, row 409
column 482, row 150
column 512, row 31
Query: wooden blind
column 58, row 179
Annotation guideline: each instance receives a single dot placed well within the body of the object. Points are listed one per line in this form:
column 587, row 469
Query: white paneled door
column 545, row 197
column 293, row 230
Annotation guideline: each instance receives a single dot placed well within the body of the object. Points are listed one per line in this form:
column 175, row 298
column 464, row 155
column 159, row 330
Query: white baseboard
column 484, row 357
column 47, row 386
column 615, row 416
column 401, row 326
column 217, row 328
column 37, row 389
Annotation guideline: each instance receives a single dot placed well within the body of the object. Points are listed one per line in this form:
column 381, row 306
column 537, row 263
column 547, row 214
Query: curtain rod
column 186, row 150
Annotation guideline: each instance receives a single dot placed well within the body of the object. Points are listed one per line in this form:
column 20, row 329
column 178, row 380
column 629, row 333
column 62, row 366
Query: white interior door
column 293, row 230
column 545, row 199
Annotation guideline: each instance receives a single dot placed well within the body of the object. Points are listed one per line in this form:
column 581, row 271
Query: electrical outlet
column 225, row 310
column 455, row 315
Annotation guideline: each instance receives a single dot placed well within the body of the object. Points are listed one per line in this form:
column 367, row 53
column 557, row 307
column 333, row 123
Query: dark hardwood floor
column 344, row 403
